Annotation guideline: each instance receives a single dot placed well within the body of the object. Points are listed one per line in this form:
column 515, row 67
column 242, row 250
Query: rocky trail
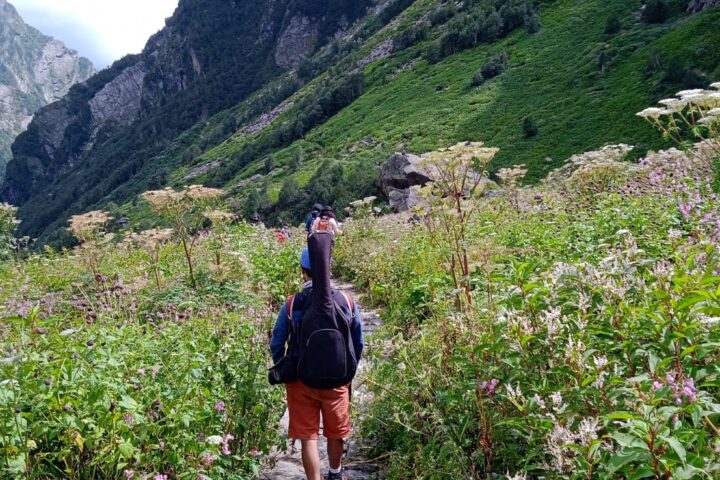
column 287, row 464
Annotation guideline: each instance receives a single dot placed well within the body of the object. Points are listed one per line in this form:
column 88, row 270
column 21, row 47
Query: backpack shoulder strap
column 289, row 310
column 350, row 305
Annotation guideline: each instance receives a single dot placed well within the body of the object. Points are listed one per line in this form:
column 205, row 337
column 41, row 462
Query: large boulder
column 398, row 174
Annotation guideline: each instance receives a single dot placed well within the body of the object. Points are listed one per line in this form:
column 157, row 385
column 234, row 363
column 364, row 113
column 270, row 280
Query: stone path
column 287, row 465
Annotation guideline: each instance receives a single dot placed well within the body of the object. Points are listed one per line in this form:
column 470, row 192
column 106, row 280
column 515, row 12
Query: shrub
column 655, row 11
column 532, row 23
column 530, row 127
column 612, row 24
column 495, row 65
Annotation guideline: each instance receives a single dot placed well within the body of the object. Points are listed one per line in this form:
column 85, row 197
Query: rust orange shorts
column 305, row 405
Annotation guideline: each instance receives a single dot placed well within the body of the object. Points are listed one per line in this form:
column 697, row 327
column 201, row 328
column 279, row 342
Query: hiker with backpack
column 316, row 345
column 314, row 213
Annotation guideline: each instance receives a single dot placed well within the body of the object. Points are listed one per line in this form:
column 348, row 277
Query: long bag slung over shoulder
column 327, row 358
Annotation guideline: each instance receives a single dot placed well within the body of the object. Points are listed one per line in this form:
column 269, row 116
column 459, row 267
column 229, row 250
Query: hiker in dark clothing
column 314, row 213
column 306, row 404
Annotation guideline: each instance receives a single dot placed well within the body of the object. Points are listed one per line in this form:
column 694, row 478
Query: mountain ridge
column 35, row 70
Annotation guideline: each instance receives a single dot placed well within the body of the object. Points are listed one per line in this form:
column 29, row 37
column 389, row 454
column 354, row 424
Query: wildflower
column 685, row 210
column 160, row 477
column 490, row 386
column 600, row 362
column 128, row 419
column 551, row 318
column 141, row 372
column 673, row 104
column 653, row 113
column 154, row 371
column 225, row 446
column 516, row 395
column 587, row 431
column 517, row 476
column 688, row 389
column 657, row 385
column 689, row 93
column 220, row 406
column 129, row 474
column 254, row 453
column 207, row 460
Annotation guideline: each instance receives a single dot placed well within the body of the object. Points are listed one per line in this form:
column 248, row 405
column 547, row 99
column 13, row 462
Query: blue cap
column 305, row 259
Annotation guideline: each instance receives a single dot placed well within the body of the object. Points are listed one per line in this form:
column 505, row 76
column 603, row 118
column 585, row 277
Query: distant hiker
column 312, row 216
column 318, row 333
column 326, row 222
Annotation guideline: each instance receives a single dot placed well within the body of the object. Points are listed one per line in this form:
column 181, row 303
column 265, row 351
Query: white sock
column 336, row 470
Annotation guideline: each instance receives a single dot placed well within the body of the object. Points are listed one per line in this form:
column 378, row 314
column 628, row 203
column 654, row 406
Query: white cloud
column 103, row 30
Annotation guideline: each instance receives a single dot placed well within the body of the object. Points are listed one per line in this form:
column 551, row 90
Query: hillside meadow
column 568, row 330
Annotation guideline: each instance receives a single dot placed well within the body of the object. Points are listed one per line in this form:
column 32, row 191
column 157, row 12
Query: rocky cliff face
column 700, row 5
column 34, row 70
column 210, row 55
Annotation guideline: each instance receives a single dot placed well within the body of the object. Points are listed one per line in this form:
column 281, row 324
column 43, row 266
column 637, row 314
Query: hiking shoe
column 336, row 476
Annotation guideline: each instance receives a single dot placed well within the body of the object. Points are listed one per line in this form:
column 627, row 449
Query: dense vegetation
column 568, row 330
column 565, row 331
column 110, row 371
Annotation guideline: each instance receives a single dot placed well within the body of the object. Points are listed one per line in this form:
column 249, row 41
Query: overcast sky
column 101, row 30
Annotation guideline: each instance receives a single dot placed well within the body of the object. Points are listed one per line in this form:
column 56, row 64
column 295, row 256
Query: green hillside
column 554, row 76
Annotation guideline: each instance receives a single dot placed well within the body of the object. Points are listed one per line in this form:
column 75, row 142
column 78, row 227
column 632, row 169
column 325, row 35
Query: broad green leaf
column 676, row 446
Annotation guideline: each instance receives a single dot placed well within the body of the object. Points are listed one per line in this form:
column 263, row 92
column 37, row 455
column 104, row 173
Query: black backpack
column 327, row 353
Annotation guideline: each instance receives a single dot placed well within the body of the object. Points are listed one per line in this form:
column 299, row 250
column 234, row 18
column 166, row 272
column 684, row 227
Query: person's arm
column 279, row 336
column 356, row 332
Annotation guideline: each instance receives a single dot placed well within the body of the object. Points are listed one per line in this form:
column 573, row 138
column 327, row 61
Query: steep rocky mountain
column 211, row 55
column 34, row 70
column 287, row 102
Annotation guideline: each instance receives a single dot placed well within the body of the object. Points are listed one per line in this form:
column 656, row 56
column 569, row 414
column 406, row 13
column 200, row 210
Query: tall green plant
column 185, row 212
column 455, row 174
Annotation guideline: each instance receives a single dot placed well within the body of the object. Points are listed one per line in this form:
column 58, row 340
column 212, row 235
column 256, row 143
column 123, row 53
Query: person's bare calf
column 311, row 458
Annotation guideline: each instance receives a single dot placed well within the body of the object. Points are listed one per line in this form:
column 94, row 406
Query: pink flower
column 254, row 453
column 154, row 371
column 220, row 406
column 129, row 474
column 160, row 477
column 225, row 447
column 688, row 389
column 657, row 385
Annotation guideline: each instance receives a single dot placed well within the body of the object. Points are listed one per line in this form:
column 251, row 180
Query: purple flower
column 685, row 210
column 657, row 385
column 220, row 406
column 128, row 419
column 688, row 389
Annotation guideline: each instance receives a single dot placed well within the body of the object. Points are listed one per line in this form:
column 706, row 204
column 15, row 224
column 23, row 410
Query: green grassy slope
column 554, row 76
